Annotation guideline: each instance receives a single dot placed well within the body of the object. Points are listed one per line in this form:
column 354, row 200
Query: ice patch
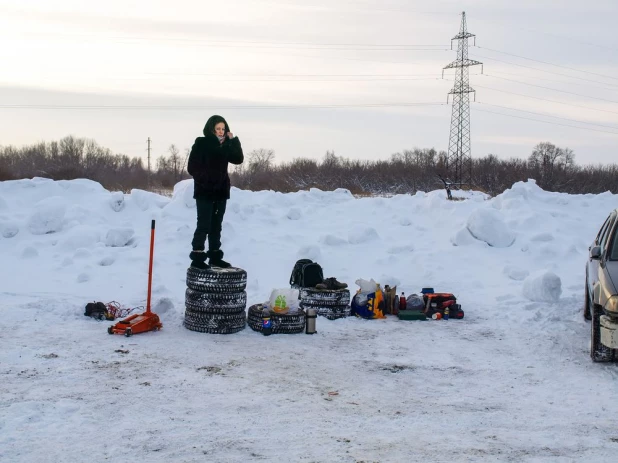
column 118, row 237
column 542, row 286
column 363, row 236
column 294, row 214
column 488, row 225
column 515, row 273
column 48, row 216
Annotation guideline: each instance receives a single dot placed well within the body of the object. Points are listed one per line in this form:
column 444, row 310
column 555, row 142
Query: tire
column 281, row 323
column 215, row 302
column 215, row 324
column 196, row 316
column 332, row 312
column 598, row 352
column 221, row 280
column 587, row 314
column 327, row 297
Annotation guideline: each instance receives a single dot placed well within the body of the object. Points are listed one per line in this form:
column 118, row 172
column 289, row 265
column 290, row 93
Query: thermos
column 311, row 316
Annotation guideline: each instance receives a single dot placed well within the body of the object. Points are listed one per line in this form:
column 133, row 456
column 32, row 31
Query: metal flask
column 312, row 314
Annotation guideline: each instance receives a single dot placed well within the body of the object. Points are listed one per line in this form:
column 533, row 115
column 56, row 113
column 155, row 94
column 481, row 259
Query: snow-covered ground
column 511, row 382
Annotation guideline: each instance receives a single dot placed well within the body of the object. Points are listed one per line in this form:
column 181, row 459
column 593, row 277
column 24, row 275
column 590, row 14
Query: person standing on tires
column 207, row 165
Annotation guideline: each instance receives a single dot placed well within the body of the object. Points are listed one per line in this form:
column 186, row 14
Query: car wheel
column 598, row 352
column 587, row 315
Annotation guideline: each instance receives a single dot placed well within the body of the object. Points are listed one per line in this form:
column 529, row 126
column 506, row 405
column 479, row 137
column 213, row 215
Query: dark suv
column 601, row 304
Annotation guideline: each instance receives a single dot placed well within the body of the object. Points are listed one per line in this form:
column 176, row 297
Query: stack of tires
column 289, row 323
column 215, row 300
column 330, row 303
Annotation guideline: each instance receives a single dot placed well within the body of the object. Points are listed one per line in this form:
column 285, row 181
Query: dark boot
column 332, row 283
column 198, row 260
column 216, row 259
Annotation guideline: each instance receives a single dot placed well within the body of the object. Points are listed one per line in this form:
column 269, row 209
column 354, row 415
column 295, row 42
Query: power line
column 200, row 108
column 546, row 99
column 543, row 70
column 561, row 37
column 546, row 122
column 550, row 64
column 255, row 43
column 293, row 75
column 549, row 88
column 555, row 81
column 547, row 115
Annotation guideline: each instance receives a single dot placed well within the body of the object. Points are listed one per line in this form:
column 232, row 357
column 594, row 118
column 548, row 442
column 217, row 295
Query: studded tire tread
column 228, row 280
column 325, row 296
column 215, row 323
column 215, row 303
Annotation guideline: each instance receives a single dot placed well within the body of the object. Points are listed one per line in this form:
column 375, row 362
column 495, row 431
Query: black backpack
column 96, row 310
column 306, row 274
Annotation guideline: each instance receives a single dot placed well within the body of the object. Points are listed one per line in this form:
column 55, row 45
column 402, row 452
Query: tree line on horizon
column 409, row 171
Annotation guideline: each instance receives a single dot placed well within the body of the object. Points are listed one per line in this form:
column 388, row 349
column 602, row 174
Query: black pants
column 209, row 220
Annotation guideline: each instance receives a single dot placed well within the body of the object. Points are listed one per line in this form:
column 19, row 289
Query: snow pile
column 488, row 225
column 542, row 286
column 515, row 263
column 48, row 216
column 118, row 237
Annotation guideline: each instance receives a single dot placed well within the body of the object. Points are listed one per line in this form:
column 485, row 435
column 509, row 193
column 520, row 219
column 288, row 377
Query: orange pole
column 152, row 230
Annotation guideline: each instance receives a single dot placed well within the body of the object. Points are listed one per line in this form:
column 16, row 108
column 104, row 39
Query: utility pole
column 148, row 162
column 459, row 159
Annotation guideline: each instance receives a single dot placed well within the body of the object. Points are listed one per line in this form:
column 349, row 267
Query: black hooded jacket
column 208, row 165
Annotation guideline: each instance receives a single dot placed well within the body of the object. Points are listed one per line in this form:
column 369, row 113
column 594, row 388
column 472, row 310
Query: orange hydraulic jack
column 140, row 323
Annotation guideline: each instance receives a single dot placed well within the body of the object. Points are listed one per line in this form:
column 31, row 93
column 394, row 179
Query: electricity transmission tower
column 459, row 159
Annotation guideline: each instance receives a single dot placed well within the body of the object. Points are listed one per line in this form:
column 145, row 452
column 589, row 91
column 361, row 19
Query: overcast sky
column 550, row 74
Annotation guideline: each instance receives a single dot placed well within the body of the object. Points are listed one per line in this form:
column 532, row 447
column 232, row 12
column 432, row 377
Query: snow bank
column 146, row 200
column 488, row 225
column 118, row 237
column 48, row 216
column 542, row 286
column 363, row 235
